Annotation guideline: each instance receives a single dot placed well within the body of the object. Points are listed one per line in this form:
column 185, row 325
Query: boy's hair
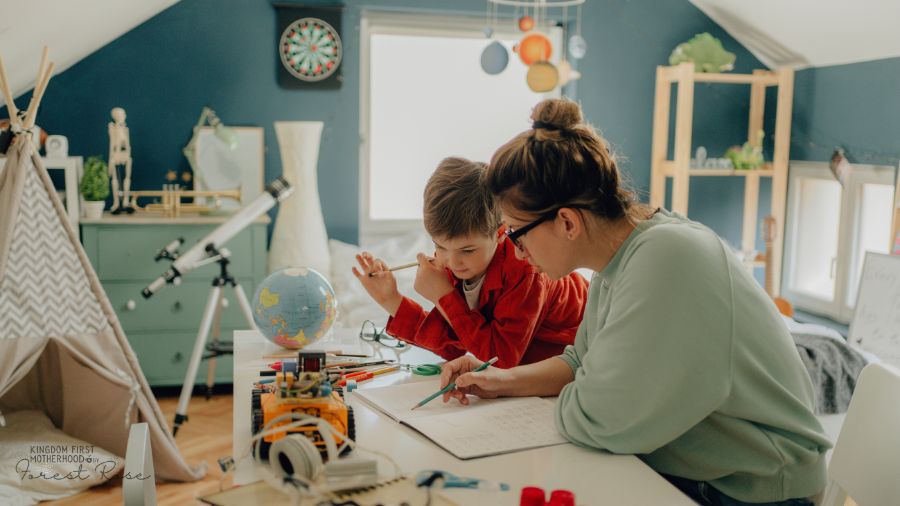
column 457, row 202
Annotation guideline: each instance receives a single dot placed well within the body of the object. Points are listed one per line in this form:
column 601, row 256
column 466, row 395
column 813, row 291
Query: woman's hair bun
column 559, row 113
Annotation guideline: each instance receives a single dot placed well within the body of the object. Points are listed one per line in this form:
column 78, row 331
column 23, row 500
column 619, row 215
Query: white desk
column 594, row 477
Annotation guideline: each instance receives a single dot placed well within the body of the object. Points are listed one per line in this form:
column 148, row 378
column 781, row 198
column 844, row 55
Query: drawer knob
column 177, row 357
column 130, row 305
column 176, row 306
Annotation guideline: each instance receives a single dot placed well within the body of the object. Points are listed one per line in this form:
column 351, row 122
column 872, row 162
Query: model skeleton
column 119, row 154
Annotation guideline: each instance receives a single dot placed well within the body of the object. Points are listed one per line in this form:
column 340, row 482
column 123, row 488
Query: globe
column 294, row 307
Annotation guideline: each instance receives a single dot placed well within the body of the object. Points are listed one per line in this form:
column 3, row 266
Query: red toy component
column 534, row 496
column 561, row 498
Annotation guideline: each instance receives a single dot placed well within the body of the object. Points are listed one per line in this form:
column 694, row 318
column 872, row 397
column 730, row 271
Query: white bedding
column 354, row 304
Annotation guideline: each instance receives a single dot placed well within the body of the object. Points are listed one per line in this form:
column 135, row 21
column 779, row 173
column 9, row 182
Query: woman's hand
column 488, row 384
column 431, row 279
column 382, row 287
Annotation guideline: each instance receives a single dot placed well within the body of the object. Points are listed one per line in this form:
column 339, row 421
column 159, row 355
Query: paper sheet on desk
column 397, row 491
column 484, row 427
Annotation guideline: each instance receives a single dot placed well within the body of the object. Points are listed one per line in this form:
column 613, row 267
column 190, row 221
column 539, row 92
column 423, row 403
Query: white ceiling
column 71, row 29
column 814, row 33
column 799, row 33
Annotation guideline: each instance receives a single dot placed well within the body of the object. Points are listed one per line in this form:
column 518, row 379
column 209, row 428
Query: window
column 423, row 97
column 829, row 229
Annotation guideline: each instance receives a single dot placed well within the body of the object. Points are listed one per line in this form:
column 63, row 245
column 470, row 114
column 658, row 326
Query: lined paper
column 484, row 427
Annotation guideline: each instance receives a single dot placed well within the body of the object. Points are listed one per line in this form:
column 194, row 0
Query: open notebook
column 484, row 427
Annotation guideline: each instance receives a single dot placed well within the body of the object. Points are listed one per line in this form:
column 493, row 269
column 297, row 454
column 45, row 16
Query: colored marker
column 366, row 375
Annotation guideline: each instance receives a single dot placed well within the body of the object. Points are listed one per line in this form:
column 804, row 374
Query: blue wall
column 855, row 106
column 221, row 53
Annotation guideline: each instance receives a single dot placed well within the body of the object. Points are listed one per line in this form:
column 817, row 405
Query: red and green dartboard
column 310, row 49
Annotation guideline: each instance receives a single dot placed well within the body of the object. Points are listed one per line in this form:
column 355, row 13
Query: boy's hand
column 431, row 279
column 382, row 287
column 486, row 384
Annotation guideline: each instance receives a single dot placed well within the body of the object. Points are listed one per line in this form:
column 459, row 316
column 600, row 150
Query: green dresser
column 162, row 329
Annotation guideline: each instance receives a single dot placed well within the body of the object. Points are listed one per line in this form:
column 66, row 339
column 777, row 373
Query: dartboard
column 310, row 49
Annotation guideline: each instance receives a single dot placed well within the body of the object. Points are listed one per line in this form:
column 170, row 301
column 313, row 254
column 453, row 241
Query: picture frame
column 72, row 167
column 220, row 168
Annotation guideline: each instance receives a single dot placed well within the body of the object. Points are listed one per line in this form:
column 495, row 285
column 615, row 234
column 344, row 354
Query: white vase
column 299, row 238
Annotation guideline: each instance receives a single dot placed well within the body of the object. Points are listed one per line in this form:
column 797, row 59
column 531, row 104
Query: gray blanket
column 833, row 366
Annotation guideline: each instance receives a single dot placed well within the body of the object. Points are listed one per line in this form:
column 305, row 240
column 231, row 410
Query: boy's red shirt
column 522, row 316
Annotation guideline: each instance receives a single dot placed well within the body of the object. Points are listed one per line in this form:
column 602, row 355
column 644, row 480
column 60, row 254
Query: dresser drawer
column 164, row 357
column 174, row 307
column 126, row 252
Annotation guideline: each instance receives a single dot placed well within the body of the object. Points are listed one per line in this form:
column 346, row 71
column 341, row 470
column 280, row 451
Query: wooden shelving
column 668, row 168
column 684, row 77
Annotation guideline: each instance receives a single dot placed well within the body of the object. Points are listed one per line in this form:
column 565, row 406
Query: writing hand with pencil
column 375, row 276
column 432, row 281
column 471, row 378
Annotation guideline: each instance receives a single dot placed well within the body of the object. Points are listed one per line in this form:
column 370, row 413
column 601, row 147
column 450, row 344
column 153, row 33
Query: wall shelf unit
column 679, row 169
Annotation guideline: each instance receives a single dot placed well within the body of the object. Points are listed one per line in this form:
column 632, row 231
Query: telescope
column 209, row 246
column 205, row 251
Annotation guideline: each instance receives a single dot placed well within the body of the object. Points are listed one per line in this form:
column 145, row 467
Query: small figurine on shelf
column 749, row 156
column 706, row 52
column 839, row 165
column 119, row 154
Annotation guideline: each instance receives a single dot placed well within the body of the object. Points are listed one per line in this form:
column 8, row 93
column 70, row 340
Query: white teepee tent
column 62, row 349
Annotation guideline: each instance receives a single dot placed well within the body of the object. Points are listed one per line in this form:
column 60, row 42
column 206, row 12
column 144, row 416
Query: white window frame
column 394, row 23
column 837, row 309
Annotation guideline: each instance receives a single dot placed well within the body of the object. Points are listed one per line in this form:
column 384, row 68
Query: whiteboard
column 876, row 320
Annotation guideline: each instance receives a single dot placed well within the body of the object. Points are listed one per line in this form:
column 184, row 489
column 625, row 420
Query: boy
column 488, row 302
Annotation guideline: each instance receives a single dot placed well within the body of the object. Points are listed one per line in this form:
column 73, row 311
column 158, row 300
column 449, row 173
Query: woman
column 681, row 357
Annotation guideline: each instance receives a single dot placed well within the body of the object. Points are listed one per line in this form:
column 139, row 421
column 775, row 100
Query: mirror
column 220, row 168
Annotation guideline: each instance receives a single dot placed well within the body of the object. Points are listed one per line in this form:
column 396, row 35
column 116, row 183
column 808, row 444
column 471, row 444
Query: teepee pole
column 40, row 84
column 7, row 94
column 38, row 95
column 45, row 54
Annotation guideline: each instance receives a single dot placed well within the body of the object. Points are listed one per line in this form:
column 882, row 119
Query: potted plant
column 94, row 187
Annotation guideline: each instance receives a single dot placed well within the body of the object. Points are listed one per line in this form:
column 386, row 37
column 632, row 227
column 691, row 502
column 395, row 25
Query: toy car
column 301, row 387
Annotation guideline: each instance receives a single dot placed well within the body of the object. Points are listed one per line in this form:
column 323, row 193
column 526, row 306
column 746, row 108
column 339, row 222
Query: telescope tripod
column 212, row 316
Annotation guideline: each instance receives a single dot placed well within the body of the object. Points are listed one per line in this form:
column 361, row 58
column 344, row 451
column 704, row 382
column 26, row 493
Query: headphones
column 295, row 457
column 295, row 464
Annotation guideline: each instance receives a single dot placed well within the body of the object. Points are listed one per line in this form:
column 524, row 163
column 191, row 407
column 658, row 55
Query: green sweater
column 683, row 360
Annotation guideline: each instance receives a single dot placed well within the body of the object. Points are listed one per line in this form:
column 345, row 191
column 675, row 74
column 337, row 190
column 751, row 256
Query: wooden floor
column 207, row 436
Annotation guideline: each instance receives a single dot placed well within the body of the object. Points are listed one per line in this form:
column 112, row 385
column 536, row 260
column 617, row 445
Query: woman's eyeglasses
column 370, row 333
column 514, row 234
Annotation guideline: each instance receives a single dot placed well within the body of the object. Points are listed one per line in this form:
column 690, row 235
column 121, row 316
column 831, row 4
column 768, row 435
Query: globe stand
column 212, row 316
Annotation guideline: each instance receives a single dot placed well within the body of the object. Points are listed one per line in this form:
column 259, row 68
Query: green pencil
column 452, row 385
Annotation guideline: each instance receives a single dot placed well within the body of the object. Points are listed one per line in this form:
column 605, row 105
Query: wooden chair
column 865, row 465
